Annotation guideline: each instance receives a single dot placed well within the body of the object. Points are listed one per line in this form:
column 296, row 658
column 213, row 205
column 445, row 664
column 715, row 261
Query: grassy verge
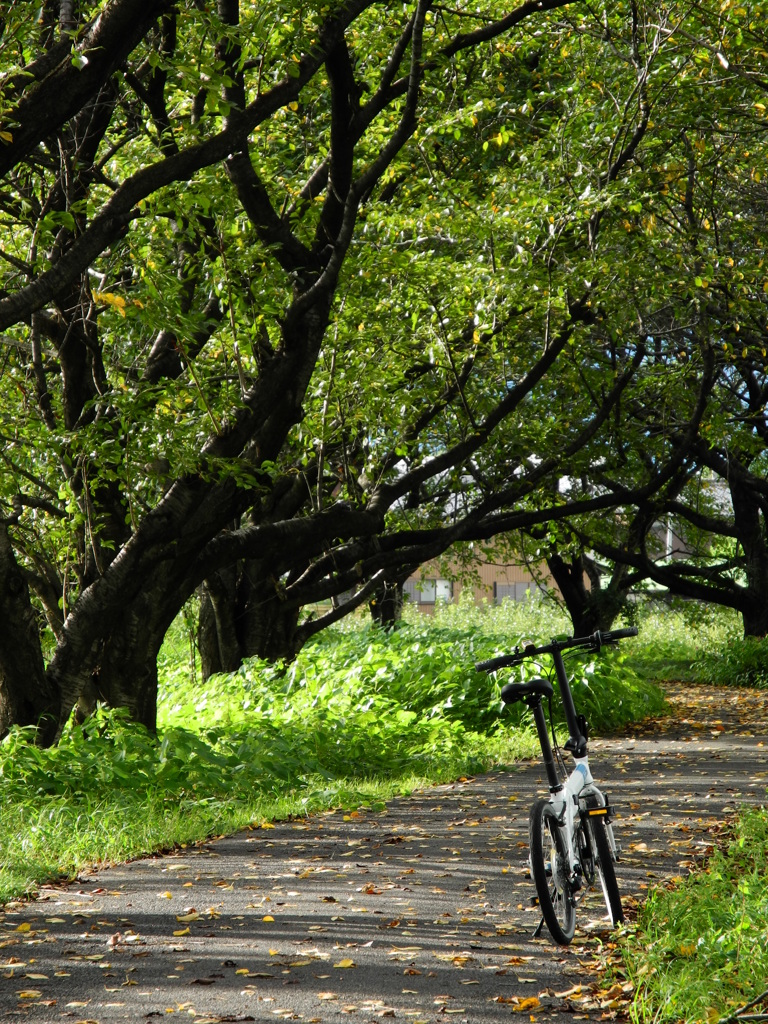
column 700, row 951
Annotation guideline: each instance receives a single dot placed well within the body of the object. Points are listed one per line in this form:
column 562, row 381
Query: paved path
column 422, row 913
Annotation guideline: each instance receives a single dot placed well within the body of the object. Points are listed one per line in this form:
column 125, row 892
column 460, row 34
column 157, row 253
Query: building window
column 429, row 591
column 510, row 591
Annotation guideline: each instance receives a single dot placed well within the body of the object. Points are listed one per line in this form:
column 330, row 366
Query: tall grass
column 674, row 638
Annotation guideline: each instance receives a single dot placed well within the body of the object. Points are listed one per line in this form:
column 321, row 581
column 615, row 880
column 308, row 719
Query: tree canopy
column 294, row 297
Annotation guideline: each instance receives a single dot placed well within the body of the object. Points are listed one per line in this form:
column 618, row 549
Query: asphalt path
column 421, row 913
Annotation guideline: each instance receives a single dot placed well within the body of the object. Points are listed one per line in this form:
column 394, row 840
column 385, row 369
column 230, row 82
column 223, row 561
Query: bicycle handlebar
column 592, row 642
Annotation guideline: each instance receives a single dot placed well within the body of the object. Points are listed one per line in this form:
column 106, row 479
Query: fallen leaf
column 31, row 993
column 531, row 1003
column 346, row 962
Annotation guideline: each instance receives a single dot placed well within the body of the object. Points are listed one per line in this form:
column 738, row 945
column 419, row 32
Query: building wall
column 497, row 582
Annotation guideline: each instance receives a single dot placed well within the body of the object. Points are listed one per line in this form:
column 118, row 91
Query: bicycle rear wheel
column 551, row 873
column 601, row 845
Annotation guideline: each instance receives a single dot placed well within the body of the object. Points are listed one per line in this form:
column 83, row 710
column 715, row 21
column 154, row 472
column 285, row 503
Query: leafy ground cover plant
column 700, row 951
column 360, row 715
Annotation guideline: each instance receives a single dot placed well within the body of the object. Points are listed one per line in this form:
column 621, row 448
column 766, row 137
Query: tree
column 164, row 339
column 697, row 413
column 293, row 303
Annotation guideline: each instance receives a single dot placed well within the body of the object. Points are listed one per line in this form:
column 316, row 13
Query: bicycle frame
column 568, row 797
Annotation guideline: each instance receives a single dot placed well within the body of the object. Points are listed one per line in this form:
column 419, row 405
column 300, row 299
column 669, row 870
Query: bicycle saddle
column 519, row 691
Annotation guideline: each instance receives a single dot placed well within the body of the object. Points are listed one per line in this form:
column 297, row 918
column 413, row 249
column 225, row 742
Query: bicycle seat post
column 577, row 742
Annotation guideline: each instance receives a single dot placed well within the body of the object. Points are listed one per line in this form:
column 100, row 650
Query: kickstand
column 539, row 926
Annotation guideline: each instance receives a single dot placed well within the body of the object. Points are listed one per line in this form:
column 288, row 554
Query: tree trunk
column 270, row 626
column 242, row 615
column 755, row 619
column 753, row 537
column 386, row 605
column 218, row 642
column 127, row 674
column 589, row 609
column 27, row 697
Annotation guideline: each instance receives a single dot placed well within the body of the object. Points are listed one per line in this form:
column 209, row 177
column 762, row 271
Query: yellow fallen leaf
column 194, row 916
column 29, row 993
column 37, row 977
column 526, row 1004
column 241, row 970
column 182, row 931
column 327, row 995
column 165, row 895
column 267, row 917
column 24, row 927
column 346, row 962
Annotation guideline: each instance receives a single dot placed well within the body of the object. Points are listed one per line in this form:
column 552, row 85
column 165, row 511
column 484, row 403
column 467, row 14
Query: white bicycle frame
column 565, row 803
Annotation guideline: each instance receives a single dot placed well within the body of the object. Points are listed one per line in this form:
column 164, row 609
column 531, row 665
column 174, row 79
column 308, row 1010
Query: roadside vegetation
column 700, row 949
column 359, row 717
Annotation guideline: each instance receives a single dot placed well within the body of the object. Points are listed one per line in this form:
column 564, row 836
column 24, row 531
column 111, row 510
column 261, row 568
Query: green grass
column 700, row 950
column 674, row 639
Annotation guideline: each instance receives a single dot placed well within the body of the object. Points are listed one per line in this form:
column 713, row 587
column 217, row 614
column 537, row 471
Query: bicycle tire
column 551, row 873
column 598, row 827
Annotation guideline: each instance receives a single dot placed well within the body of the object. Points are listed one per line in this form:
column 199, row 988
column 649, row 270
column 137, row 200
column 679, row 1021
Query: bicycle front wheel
column 601, row 844
column 551, row 873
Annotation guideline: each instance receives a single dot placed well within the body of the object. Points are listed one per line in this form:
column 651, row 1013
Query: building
column 494, row 583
